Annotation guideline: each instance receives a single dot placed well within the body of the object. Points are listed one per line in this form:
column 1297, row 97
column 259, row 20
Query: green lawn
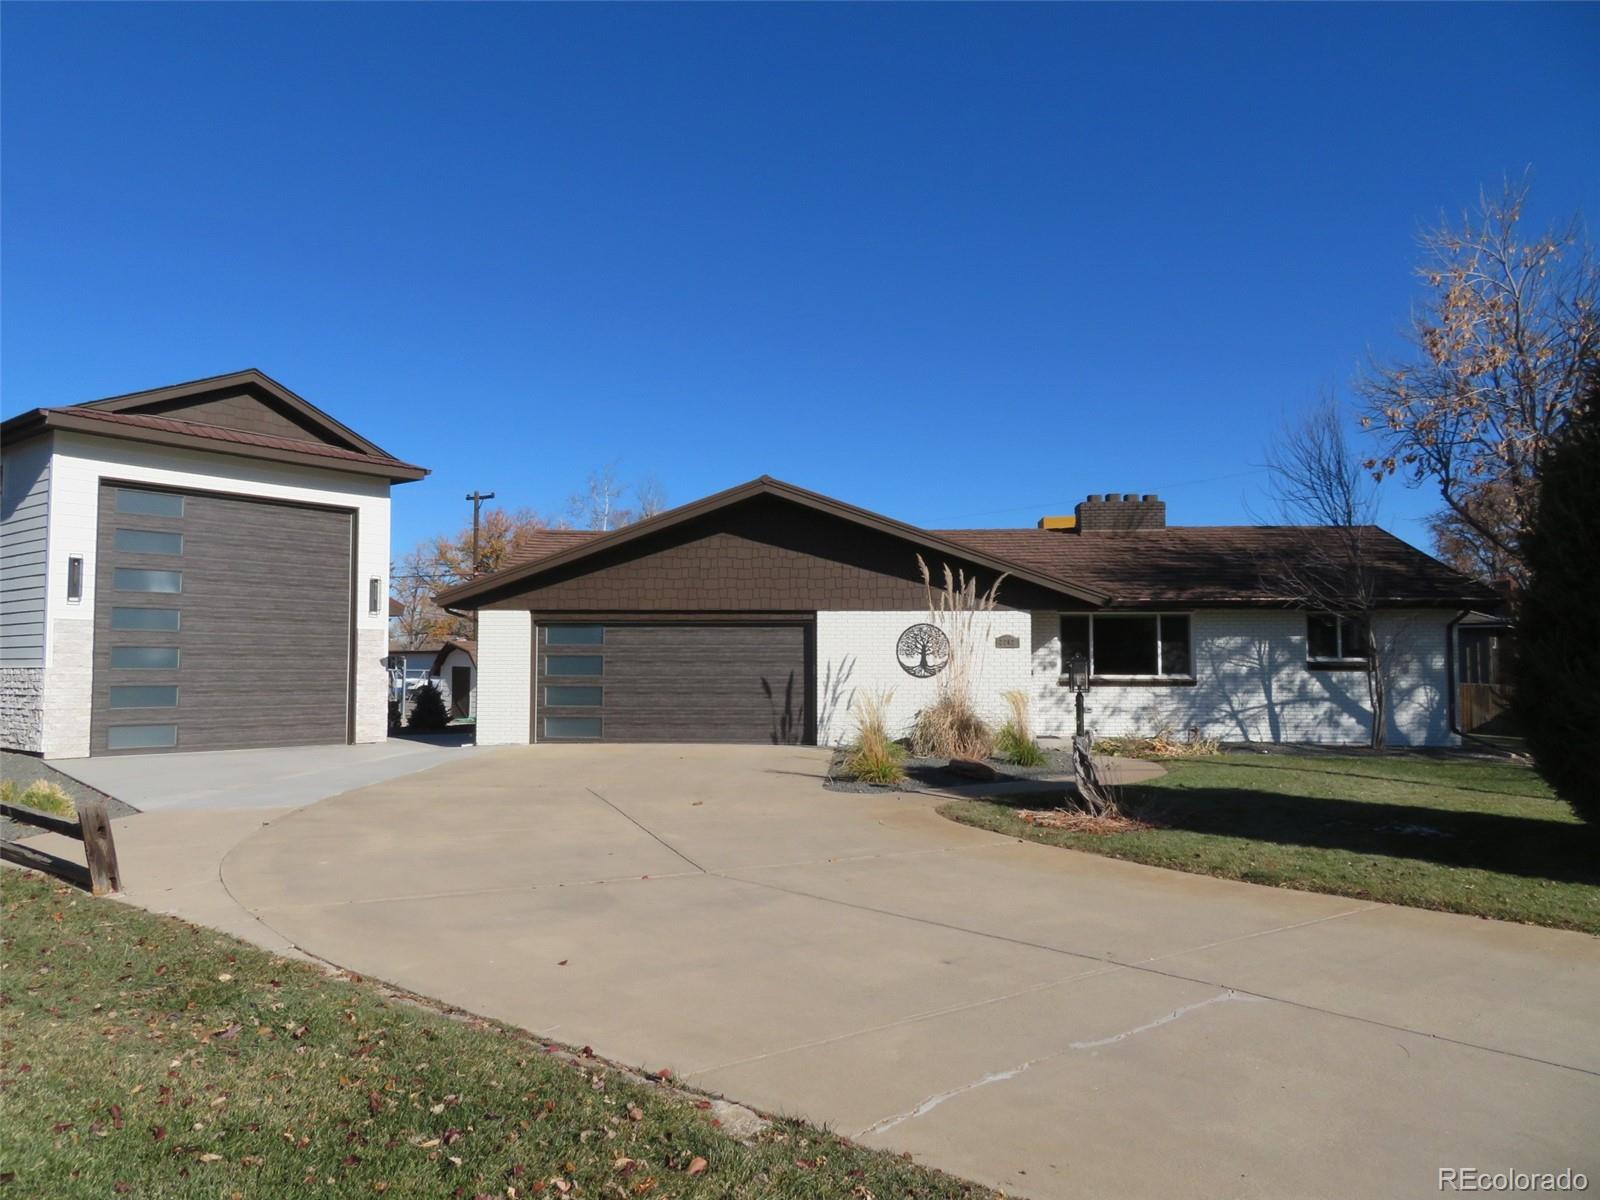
column 1485, row 838
column 146, row 1057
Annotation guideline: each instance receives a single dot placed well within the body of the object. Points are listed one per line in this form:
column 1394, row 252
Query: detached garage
column 200, row 567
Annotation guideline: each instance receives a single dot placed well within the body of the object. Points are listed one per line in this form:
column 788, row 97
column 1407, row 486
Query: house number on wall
column 923, row 650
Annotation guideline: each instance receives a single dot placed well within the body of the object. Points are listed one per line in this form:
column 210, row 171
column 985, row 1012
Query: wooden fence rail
column 92, row 828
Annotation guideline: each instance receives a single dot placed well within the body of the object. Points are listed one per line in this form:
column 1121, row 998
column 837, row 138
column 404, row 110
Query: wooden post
column 99, row 851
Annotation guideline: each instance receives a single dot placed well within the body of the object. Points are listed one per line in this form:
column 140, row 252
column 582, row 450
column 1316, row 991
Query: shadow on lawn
column 1443, row 785
column 1486, row 841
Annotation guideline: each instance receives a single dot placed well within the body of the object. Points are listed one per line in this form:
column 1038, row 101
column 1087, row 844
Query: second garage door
column 221, row 622
column 635, row 682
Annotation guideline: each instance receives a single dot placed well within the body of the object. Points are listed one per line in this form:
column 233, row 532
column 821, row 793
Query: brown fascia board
column 36, row 421
column 246, row 378
column 764, row 486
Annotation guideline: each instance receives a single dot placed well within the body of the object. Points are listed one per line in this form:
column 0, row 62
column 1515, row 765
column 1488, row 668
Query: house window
column 1130, row 646
column 74, row 579
column 374, row 588
column 1335, row 639
column 572, row 727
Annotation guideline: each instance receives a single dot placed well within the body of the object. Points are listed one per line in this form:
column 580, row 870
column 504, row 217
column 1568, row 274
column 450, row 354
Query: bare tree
column 598, row 505
column 1501, row 346
column 1317, row 479
column 650, row 497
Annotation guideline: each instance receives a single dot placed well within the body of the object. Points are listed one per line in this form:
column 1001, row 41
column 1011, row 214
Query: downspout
column 1451, row 652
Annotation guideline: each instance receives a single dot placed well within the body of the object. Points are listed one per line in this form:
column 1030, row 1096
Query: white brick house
column 766, row 612
column 203, row 566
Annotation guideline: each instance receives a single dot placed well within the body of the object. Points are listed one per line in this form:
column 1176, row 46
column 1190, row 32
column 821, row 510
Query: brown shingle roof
column 541, row 543
column 238, row 437
column 1195, row 564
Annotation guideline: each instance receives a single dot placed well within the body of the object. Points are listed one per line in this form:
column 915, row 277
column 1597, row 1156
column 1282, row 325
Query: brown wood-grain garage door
column 220, row 622
column 684, row 682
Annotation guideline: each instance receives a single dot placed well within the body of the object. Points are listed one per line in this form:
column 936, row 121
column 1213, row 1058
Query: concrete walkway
column 1052, row 1023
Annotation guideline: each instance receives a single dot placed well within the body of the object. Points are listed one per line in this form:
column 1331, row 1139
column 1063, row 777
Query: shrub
column 42, row 794
column 1556, row 703
column 1014, row 743
column 874, row 756
column 427, row 709
column 950, row 727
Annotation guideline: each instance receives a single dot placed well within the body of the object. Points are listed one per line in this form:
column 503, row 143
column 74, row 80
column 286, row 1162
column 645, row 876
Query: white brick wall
column 372, row 685
column 82, row 460
column 1253, row 684
column 68, row 686
column 856, row 656
column 505, row 677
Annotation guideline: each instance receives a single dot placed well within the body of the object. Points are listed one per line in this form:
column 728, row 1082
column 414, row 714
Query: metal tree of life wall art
column 923, row 650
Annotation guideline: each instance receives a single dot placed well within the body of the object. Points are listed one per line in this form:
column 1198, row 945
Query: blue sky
column 961, row 265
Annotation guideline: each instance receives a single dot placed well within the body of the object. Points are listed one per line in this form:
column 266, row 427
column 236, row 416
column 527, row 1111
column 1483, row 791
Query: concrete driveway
column 1052, row 1023
column 246, row 779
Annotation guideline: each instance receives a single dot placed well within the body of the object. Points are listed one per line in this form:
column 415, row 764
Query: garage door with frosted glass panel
column 220, row 623
column 634, row 682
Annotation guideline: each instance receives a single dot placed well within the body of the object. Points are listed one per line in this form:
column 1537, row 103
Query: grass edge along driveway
column 144, row 1056
column 1468, row 836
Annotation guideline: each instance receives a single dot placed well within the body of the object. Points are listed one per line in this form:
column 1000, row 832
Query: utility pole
column 477, row 499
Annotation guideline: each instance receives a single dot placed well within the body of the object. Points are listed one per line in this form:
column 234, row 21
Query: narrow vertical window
column 374, row 587
column 74, row 579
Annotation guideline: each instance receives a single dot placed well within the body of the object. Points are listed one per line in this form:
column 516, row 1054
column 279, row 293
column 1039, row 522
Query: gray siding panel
column 693, row 682
column 264, row 637
column 24, row 520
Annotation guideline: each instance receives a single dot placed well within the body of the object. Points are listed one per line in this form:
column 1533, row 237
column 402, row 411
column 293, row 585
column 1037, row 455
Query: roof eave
column 64, row 419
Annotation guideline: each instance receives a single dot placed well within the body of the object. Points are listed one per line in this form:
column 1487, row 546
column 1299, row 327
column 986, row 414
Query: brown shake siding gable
column 761, row 555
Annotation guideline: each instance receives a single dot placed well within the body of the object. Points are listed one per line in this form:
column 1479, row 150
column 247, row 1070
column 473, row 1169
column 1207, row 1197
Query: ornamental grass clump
column 874, row 756
column 951, row 727
column 42, row 794
column 1014, row 743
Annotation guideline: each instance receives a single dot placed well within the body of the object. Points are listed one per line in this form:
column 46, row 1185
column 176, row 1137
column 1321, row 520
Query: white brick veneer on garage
column 1253, row 685
column 82, row 460
column 856, row 656
column 505, row 677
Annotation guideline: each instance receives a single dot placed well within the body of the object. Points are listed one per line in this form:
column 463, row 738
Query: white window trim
column 1160, row 676
column 1341, row 658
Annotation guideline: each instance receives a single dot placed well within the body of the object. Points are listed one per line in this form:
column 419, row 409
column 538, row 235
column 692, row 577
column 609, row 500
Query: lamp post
column 1078, row 681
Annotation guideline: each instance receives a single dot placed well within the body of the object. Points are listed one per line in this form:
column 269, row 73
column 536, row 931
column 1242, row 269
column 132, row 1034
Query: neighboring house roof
column 396, row 609
column 466, row 645
column 1206, row 564
column 764, row 486
column 1214, row 564
column 425, row 648
column 205, row 414
column 541, row 543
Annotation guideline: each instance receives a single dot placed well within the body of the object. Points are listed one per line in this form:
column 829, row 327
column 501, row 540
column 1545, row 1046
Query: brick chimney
column 1112, row 513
